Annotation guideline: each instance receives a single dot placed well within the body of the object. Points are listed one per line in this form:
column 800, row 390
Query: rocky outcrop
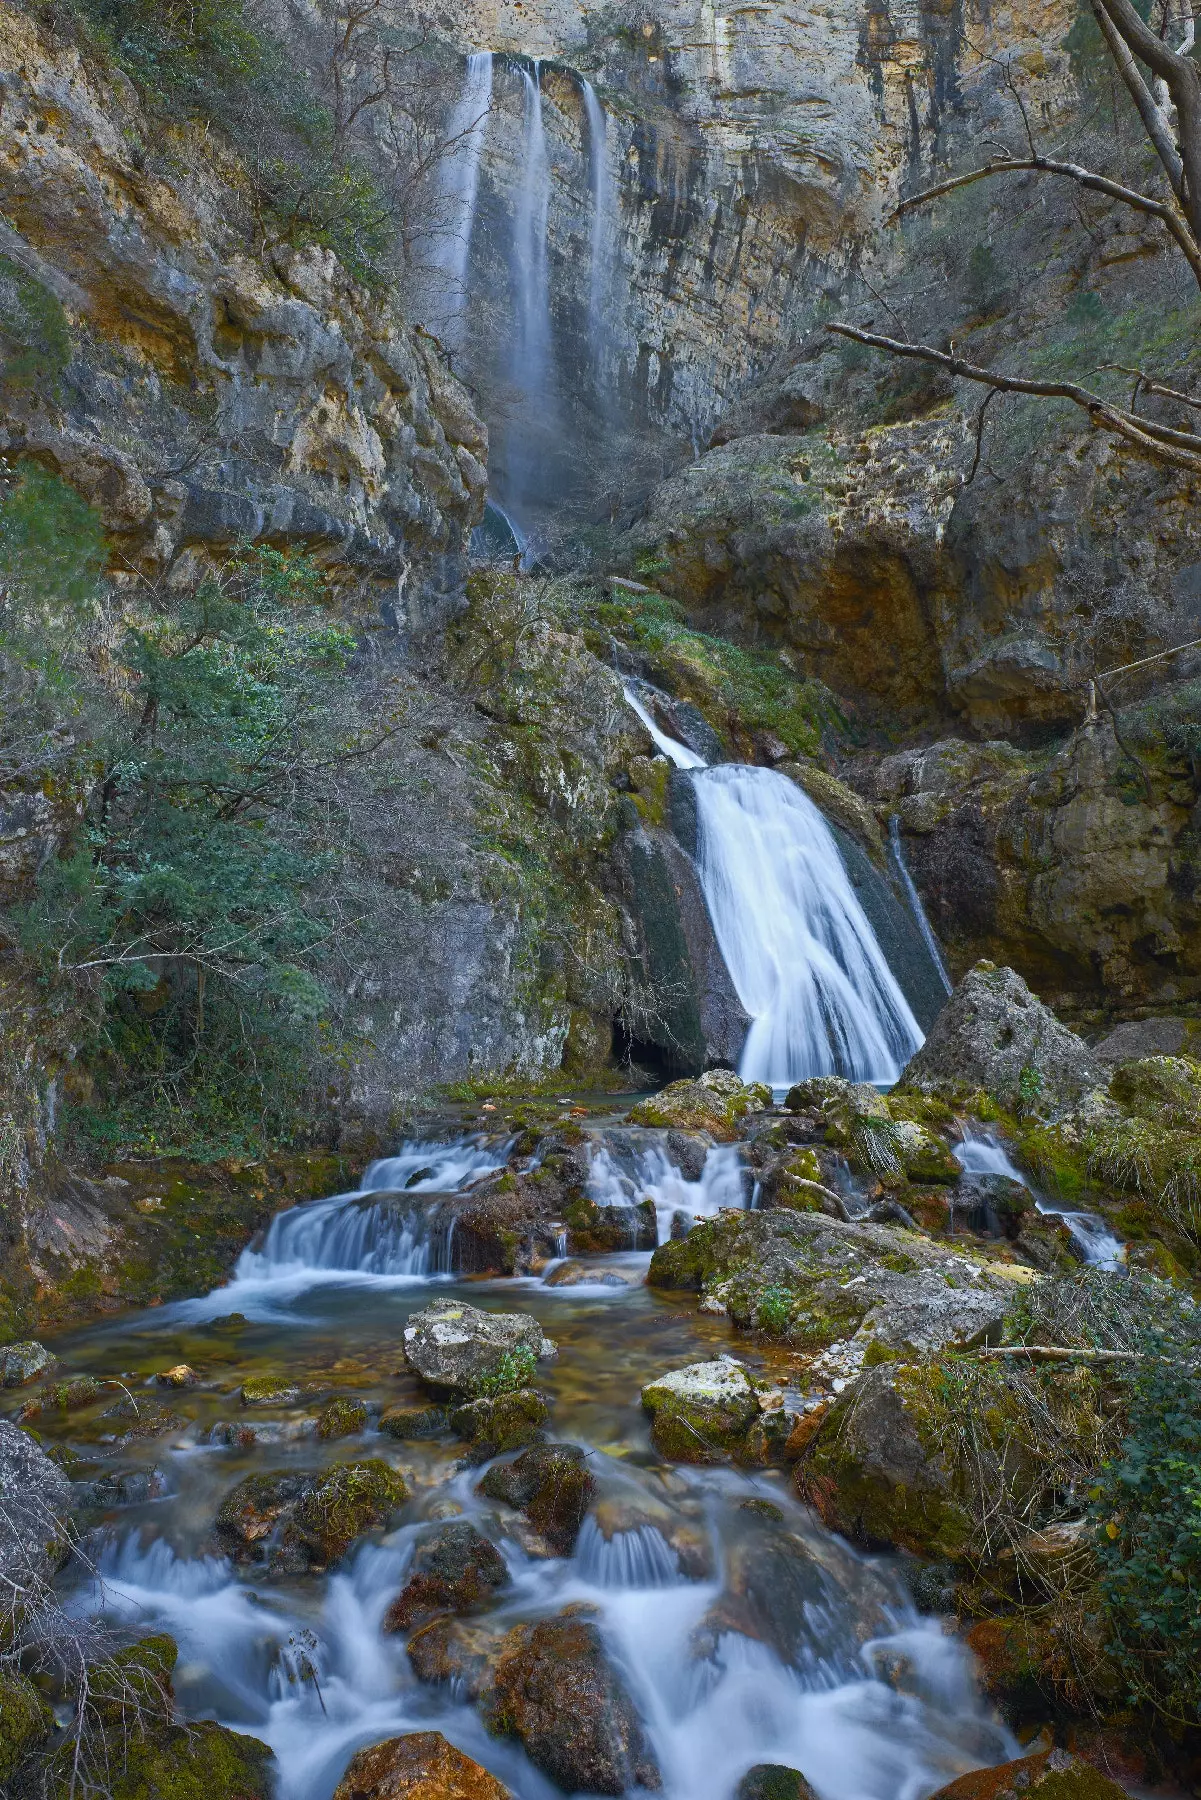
column 1051, row 1775
column 995, row 1036
column 421, row 1766
column 35, row 1502
column 215, row 396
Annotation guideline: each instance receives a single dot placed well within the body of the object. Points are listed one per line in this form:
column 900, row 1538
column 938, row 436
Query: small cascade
column 799, row 947
column 600, row 191
column 355, row 1237
column 915, row 901
column 533, row 341
column 639, row 1558
column 981, row 1153
column 629, row 1167
column 459, row 180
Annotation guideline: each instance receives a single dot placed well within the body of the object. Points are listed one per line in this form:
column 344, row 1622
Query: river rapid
column 832, row 1671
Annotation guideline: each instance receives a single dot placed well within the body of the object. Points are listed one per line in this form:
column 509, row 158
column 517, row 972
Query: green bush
column 35, row 342
column 773, row 1310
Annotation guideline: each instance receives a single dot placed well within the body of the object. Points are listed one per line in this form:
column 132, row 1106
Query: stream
column 833, row 1672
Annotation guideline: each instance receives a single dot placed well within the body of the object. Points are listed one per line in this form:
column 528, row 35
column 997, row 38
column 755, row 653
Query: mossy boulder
column 1163, row 1089
column 717, row 1103
column 460, row 1349
column 891, row 1147
column 1052, row 1775
column 342, row 1417
column 414, row 1422
column 23, row 1363
column 702, row 1413
column 25, row 1722
column 456, row 1570
column 349, row 1500
column 271, row 1390
column 197, row 1761
column 774, row 1781
column 250, row 1513
column 552, row 1486
column 501, row 1422
column 418, row 1766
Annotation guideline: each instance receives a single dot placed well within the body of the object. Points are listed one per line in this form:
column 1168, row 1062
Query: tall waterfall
column 800, row 950
column 915, row 902
column 600, row 191
column 459, row 181
column 532, row 348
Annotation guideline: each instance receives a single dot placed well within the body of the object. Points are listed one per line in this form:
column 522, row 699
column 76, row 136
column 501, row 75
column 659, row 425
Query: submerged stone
column 507, row 1422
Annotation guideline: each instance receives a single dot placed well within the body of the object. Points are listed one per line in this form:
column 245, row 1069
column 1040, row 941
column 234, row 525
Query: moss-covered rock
column 501, row 1422
column 717, row 1103
column 270, row 1390
column 774, row 1781
column 251, row 1511
column 702, row 1413
column 1052, row 1775
column 348, row 1500
column 197, row 1761
column 343, row 1417
column 552, row 1486
column 456, row 1570
column 414, row 1422
column 25, row 1722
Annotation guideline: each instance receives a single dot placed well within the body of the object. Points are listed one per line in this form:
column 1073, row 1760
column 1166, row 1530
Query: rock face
column 995, row 1035
column 421, row 1766
column 35, row 1499
column 454, row 1571
column 458, row 1349
column 555, row 1689
column 22, row 1363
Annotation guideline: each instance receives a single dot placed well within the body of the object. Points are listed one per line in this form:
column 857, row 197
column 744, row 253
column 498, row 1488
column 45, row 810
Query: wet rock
column 456, row 1348
column 551, row 1485
column 506, row 1422
column 555, row 1689
column 414, row 1422
column 600, row 1230
column 456, row 1570
column 252, row 1511
column 1053, row 1775
column 580, row 1274
column 65, row 1396
column 451, row 1650
column 132, row 1488
column 634, row 1516
column 196, row 1761
column 994, row 1034
column 774, row 1781
column 348, row 1500
column 270, row 1390
column 1047, row 1243
column 22, row 1363
column 419, row 1766
column 342, row 1418
column 702, row 1413
column 35, row 1499
column 717, row 1103
column 145, row 1419
column 181, row 1376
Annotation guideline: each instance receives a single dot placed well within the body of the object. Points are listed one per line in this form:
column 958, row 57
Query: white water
column 980, row 1153
column 711, row 1708
column 799, row 947
column 532, row 347
column 915, row 902
column 459, row 180
column 600, row 193
column 626, row 1170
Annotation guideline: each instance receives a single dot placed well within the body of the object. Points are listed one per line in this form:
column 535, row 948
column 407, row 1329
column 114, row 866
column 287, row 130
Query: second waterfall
column 799, row 947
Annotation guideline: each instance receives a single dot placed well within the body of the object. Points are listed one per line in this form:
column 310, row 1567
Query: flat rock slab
column 455, row 1348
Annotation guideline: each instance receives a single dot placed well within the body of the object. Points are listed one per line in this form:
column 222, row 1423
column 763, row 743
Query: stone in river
column 456, row 1348
column 1052, row 1775
column 500, row 1422
column 455, row 1570
column 420, row 1766
column 552, row 1486
column 774, row 1781
column 702, row 1413
column 21, row 1363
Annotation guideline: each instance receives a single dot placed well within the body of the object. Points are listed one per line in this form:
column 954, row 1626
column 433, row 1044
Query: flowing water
column 458, row 184
column 826, row 1667
column 629, row 1166
column 915, row 901
column 531, row 366
column 980, row 1153
column 600, row 193
column 798, row 945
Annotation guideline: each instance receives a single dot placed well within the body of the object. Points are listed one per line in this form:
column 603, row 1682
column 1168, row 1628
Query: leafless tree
column 1164, row 85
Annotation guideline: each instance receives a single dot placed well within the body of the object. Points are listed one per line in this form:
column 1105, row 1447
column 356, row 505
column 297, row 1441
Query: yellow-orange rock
column 420, row 1766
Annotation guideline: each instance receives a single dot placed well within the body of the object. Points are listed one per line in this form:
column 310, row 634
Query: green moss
column 350, row 1499
column 343, row 1417
column 199, row 1761
column 508, row 1422
column 35, row 342
column 25, row 1721
column 270, row 1390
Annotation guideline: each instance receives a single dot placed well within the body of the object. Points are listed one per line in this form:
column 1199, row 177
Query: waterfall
column 629, row 1168
column 459, row 187
column 532, row 347
column 599, row 190
column 915, row 902
column 981, row 1153
column 800, row 950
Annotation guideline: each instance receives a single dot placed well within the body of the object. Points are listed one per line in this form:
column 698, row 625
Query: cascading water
column 800, row 950
column 980, row 1153
column 628, row 1168
column 915, row 902
column 600, row 190
column 459, row 179
column 533, row 339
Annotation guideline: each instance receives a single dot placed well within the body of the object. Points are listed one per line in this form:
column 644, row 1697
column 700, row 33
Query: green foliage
column 1085, row 310
column 52, row 557
column 773, row 1310
column 35, row 342
column 985, row 285
column 516, row 1369
column 1147, row 1507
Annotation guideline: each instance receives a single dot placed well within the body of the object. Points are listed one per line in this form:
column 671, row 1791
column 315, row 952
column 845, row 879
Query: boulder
column 343, row 1417
column 702, row 1413
column 251, row 1512
column 25, row 1722
column 1052, row 1775
column 994, row 1035
column 346, row 1501
column 717, row 1103
column 409, row 1422
column 270, row 1390
column 454, row 1571
column 35, row 1500
column 555, row 1689
column 459, row 1349
column 197, row 1761
column 453, row 1650
column 1144, row 1037
column 580, row 1274
column 551, row 1485
column 506, row 1422
column 22, row 1363
column 774, row 1781
column 420, row 1766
